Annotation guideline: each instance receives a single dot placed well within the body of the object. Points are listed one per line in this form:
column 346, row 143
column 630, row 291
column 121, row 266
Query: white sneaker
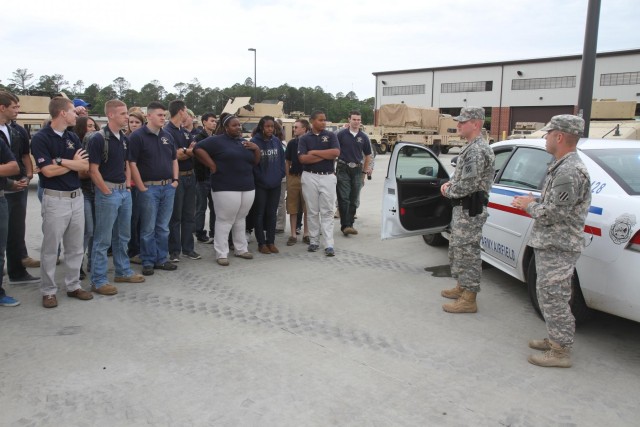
column 248, row 237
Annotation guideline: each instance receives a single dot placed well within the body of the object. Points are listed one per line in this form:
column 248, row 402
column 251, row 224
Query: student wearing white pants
column 317, row 151
column 231, row 209
column 231, row 160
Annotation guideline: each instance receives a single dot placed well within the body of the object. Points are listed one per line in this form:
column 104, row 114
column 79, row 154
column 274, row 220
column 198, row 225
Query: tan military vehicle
column 610, row 120
column 250, row 114
column 34, row 112
column 524, row 129
column 426, row 126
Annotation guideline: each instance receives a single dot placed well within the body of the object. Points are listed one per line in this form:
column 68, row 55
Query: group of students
column 146, row 184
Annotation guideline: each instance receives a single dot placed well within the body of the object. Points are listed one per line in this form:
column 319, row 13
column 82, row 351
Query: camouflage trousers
column 464, row 248
column 553, row 286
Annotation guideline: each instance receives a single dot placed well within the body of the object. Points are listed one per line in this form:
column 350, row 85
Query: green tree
column 52, row 84
column 121, row 85
column 21, row 79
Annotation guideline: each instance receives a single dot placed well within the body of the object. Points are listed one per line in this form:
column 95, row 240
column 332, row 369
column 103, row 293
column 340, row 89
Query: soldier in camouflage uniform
column 469, row 193
column 557, row 237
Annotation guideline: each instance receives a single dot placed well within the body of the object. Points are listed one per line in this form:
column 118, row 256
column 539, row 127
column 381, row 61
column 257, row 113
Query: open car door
column 411, row 202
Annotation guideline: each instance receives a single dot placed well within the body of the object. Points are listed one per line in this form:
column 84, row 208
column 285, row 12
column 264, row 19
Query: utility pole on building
column 255, row 77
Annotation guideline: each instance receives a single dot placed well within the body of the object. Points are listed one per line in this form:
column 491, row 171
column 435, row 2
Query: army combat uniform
column 474, row 172
column 557, row 239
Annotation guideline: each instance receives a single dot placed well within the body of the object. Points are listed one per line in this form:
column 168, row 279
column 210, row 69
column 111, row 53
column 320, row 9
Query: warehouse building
column 530, row 90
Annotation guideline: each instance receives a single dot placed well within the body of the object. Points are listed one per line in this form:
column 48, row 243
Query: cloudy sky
column 335, row 44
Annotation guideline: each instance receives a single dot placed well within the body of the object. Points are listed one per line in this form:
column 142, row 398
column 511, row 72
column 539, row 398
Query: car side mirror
column 426, row 170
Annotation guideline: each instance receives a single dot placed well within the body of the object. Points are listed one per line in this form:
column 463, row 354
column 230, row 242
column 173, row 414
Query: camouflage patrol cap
column 470, row 113
column 567, row 123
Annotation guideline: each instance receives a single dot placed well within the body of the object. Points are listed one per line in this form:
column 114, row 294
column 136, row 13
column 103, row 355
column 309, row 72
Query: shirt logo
column 325, row 139
column 164, row 140
column 124, row 144
column 359, row 139
column 70, row 145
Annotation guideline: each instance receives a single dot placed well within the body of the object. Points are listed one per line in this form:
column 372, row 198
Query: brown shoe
column 223, row 262
column 292, row 241
column 49, row 301
column 80, row 294
column 453, row 293
column 105, row 289
column 273, row 249
column 29, row 262
column 134, row 278
column 245, row 255
column 465, row 304
column 306, row 239
column 264, row 249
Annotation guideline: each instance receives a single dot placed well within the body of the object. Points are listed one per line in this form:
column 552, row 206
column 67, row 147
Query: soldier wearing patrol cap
column 469, row 194
column 557, row 237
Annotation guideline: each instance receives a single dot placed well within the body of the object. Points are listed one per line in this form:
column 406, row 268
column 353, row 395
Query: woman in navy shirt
column 268, row 176
column 231, row 160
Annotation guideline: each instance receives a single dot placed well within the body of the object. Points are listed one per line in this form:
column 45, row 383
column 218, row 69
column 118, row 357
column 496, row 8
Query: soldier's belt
column 115, row 186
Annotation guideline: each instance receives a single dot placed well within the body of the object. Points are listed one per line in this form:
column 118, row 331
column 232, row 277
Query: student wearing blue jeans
column 154, row 168
column 111, row 175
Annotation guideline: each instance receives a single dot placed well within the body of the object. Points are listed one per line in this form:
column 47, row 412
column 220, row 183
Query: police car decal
column 620, row 231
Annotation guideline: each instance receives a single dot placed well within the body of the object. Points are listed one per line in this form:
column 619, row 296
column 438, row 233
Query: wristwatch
column 184, row 150
column 59, row 161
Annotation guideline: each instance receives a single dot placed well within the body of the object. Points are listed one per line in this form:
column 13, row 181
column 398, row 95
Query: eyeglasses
column 296, row 127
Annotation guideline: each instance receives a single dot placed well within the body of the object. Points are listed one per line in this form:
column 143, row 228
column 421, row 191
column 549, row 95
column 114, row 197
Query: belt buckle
column 352, row 165
column 73, row 194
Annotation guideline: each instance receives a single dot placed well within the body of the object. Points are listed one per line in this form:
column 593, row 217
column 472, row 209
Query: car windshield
column 623, row 165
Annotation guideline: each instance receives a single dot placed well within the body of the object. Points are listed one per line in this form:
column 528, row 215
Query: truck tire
column 444, row 149
column 382, row 147
column 579, row 308
column 434, row 239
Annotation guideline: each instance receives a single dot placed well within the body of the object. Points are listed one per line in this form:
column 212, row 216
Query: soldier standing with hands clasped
column 557, row 237
column 469, row 194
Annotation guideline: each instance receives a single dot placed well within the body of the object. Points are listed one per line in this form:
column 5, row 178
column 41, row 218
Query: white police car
column 607, row 276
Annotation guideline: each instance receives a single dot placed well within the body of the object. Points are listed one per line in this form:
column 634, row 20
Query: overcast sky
column 335, row 44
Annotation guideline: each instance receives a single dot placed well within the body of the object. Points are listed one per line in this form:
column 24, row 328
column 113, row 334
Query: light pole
column 255, row 68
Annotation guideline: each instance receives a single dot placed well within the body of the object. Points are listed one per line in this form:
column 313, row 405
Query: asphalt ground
column 299, row 339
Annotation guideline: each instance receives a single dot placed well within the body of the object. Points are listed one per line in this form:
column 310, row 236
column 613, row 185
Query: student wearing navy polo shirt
column 317, row 151
column 60, row 157
column 111, row 175
column 231, row 160
column 268, row 176
column 354, row 146
column 17, row 138
column 8, row 167
column 293, row 167
column 154, row 169
column 182, row 223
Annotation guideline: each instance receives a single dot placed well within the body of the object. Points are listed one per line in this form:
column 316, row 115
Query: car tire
column 434, row 239
column 579, row 308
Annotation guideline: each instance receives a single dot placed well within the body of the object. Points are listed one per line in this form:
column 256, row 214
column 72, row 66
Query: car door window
column 416, row 164
column 501, row 158
column 526, row 169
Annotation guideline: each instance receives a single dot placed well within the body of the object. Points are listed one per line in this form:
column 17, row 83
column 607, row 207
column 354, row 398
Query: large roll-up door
column 537, row 114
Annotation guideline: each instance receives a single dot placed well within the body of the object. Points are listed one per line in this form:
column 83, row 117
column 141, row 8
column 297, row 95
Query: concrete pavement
column 299, row 339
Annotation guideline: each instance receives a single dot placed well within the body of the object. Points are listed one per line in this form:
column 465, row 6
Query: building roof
column 502, row 63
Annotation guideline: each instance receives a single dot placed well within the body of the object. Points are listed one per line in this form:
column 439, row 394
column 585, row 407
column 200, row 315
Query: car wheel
column 434, row 239
column 579, row 308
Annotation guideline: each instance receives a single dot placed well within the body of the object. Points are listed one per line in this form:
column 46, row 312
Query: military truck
column 610, row 119
column 34, row 112
column 524, row 129
column 250, row 114
column 426, row 126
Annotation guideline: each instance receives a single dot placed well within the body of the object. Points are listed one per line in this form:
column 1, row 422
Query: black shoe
column 174, row 257
column 147, row 270
column 23, row 280
column 166, row 266
column 204, row 239
column 82, row 274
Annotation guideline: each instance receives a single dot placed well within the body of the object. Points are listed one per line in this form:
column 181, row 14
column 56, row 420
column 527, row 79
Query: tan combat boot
column 453, row 293
column 556, row 357
column 465, row 304
column 542, row 345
